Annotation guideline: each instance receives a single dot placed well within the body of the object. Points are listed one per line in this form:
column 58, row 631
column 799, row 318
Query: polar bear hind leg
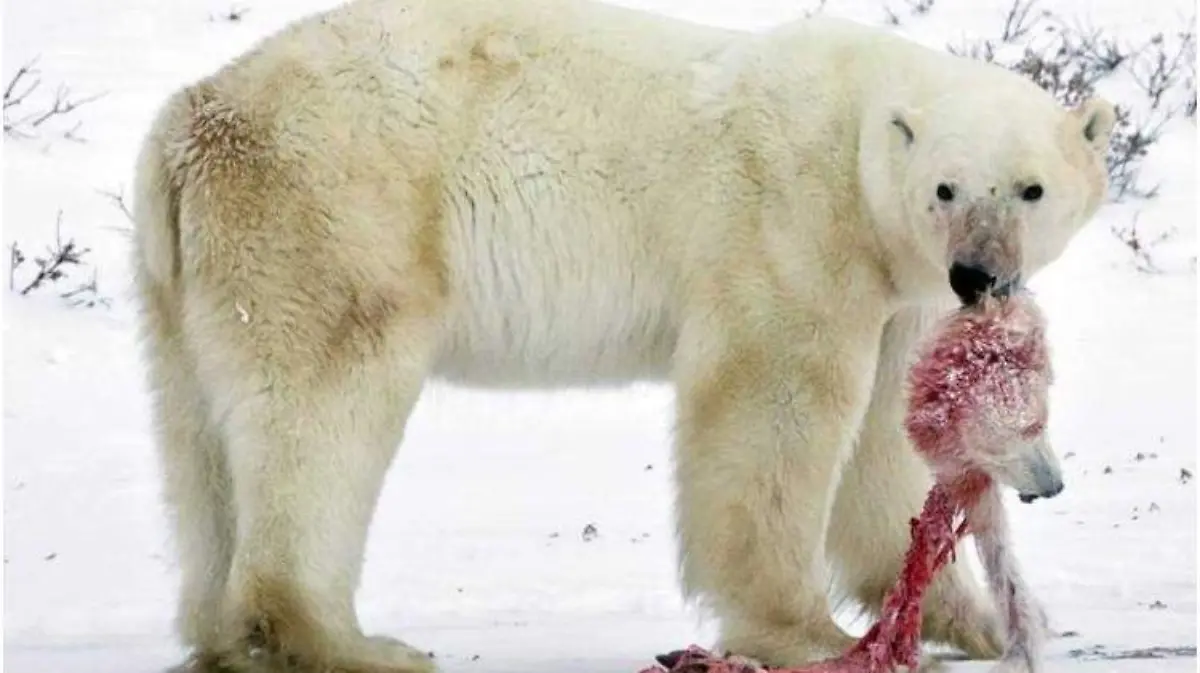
column 286, row 355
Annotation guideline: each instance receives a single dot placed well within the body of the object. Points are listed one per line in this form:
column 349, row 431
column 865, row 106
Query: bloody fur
column 980, row 381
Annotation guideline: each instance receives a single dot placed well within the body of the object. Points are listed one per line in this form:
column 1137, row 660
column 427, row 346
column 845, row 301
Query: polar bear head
column 979, row 187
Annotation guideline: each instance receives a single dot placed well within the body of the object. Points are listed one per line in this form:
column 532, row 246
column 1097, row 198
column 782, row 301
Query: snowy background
column 478, row 552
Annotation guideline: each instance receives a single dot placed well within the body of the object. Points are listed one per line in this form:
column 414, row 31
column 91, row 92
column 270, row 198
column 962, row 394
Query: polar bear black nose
column 969, row 282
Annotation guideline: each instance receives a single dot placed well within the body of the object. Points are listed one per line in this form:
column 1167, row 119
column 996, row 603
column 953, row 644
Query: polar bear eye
column 945, row 192
column 1032, row 193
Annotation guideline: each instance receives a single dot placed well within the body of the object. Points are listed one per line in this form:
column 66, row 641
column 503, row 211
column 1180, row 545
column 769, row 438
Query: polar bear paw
column 378, row 654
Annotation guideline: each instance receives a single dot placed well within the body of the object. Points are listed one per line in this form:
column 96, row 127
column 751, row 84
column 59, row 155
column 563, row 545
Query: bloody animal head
column 978, row 396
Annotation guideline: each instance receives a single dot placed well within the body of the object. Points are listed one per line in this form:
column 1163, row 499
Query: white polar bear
column 556, row 192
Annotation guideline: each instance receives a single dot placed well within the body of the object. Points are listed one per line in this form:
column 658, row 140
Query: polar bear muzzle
column 984, row 251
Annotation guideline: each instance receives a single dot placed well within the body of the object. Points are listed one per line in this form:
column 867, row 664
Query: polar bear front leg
column 765, row 422
column 882, row 487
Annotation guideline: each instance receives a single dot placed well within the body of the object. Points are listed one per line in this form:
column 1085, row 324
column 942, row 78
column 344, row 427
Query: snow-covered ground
column 478, row 552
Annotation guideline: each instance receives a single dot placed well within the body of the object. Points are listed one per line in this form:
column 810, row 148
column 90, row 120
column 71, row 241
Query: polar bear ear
column 902, row 124
column 1097, row 118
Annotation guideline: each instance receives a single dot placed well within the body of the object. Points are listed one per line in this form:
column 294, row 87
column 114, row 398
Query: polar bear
column 566, row 193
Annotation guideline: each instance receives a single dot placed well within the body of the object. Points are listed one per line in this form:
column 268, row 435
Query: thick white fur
column 554, row 192
column 1026, row 623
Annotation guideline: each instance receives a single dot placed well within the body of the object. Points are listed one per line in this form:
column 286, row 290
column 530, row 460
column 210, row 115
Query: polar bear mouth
column 984, row 251
column 971, row 282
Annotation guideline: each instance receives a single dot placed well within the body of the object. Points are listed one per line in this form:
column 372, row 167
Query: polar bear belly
column 555, row 280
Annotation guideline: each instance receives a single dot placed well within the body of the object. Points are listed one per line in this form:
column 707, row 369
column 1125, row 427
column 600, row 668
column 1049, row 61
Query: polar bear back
column 584, row 161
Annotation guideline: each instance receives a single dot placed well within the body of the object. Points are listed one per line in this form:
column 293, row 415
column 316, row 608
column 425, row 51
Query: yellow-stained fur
column 555, row 192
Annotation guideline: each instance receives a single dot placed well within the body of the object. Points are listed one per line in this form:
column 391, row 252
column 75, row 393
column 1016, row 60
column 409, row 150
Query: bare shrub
column 1140, row 246
column 980, row 50
column 1099, row 53
column 1189, row 105
column 117, row 199
column 1189, row 77
column 1131, row 142
column 87, row 294
column 919, row 7
column 1019, row 20
column 232, row 15
column 1057, row 74
column 53, row 268
column 21, row 121
column 1165, row 66
column 15, row 259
